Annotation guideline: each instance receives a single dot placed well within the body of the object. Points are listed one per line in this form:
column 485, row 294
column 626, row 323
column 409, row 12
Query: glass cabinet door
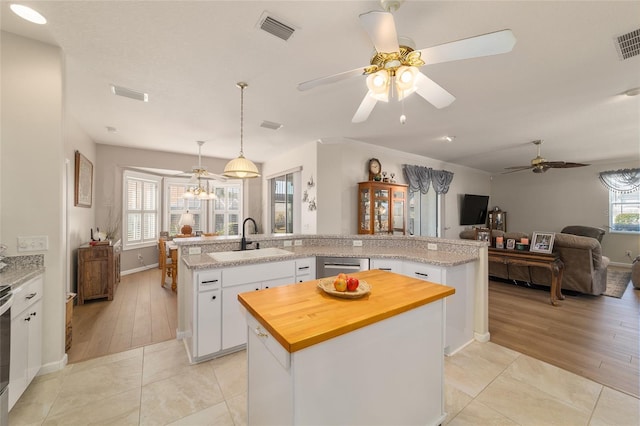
column 365, row 211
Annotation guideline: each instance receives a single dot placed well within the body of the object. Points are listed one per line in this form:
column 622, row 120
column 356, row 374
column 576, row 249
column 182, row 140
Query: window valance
column 419, row 178
column 622, row 181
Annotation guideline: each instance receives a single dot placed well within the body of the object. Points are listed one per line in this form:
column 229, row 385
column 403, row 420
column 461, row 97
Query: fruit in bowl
column 352, row 283
column 340, row 284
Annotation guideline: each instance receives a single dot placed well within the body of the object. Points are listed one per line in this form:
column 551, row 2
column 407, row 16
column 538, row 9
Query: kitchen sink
column 232, row 256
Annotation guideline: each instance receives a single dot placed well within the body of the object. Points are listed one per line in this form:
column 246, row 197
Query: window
column 227, row 208
column 282, row 204
column 624, row 212
column 177, row 205
column 141, row 205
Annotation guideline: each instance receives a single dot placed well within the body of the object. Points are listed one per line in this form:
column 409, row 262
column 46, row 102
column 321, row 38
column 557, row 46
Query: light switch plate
column 297, row 242
column 432, row 246
column 33, row 243
column 195, row 250
column 287, row 243
column 357, row 243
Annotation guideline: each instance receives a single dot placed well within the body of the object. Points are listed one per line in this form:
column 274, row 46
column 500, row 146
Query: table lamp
column 186, row 222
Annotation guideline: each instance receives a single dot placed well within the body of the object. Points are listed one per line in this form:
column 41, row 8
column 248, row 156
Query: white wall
column 343, row 163
column 32, row 168
column 560, row 197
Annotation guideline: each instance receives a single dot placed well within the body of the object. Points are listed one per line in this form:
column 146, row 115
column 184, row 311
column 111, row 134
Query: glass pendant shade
column 378, row 83
column 405, row 81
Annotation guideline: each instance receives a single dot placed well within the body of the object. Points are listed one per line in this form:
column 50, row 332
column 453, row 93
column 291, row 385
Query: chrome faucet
column 243, row 241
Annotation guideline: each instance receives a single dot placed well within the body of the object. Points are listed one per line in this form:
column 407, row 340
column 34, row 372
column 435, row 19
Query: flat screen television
column 474, row 209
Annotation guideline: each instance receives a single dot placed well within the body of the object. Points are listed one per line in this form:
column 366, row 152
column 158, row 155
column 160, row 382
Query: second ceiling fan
column 393, row 70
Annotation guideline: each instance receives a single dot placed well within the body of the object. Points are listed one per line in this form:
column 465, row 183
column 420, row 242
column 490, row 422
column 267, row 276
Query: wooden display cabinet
column 98, row 272
column 382, row 208
column 497, row 219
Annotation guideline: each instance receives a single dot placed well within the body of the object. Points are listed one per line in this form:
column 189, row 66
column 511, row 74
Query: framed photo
column 483, row 234
column 83, row 181
column 542, row 242
column 511, row 243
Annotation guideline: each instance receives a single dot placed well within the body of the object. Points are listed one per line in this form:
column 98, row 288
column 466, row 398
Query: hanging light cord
column 241, row 85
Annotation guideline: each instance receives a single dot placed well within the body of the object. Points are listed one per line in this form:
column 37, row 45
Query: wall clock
column 374, row 168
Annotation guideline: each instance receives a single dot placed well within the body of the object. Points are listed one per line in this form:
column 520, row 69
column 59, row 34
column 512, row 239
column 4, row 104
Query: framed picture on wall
column 83, row 181
column 542, row 242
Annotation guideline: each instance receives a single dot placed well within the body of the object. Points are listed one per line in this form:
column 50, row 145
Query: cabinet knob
column 259, row 332
column 27, row 319
column 213, row 297
column 33, row 314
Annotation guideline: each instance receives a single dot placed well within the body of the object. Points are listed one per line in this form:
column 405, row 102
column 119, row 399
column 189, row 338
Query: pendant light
column 241, row 167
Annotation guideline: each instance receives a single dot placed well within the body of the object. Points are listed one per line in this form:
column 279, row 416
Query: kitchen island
column 317, row 359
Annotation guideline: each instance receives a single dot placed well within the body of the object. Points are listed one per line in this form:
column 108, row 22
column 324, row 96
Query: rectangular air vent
column 128, row 93
column 275, row 27
column 271, row 125
column 628, row 44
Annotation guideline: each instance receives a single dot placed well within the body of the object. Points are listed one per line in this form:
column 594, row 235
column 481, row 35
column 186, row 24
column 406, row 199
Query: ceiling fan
column 393, row 70
column 540, row 165
column 200, row 172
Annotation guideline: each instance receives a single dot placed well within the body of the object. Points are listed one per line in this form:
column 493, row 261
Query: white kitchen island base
column 390, row 372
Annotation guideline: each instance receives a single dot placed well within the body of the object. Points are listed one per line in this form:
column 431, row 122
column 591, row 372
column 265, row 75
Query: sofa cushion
column 584, row 231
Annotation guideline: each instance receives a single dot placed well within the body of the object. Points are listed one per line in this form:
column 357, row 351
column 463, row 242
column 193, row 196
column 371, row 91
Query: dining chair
column 164, row 259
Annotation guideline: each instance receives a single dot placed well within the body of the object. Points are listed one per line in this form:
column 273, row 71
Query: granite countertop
column 433, row 257
column 16, row 276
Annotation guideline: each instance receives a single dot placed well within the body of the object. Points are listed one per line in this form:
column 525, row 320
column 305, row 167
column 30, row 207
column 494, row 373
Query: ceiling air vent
column 271, row 125
column 128, row 93
column 275, row 27
column 628, row 44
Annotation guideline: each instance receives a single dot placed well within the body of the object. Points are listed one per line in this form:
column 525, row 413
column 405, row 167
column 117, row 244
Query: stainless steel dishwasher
column 330, row 266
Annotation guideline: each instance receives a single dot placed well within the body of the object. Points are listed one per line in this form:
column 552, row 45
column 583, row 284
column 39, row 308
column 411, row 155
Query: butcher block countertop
column 302, row 315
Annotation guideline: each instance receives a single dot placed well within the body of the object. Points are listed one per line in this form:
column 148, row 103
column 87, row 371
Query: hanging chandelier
column 241, row 167
column 199, row 192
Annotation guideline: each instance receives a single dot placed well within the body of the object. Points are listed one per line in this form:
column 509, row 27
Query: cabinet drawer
column 208, row 280
column 424, row 272
column 26, row 295
column 97, row 252
column 258, row 272
column 272, row 345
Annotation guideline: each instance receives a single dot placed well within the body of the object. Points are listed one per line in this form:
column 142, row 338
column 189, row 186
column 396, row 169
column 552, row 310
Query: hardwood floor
column 141, row 313
column 593, row 336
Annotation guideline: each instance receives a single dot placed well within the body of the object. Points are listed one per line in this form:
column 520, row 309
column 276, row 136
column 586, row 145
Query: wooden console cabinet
column 382, row 208
column 98, row 272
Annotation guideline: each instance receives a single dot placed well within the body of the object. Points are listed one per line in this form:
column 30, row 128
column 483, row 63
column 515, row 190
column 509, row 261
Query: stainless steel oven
column 6, row 299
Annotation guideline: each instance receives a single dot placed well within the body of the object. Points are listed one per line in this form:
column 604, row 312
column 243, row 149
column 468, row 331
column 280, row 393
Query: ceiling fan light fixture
column 405, row 81
column 241, row 167
column 378, row 84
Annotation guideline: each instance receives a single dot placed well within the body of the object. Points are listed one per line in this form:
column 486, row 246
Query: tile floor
column 485, row 384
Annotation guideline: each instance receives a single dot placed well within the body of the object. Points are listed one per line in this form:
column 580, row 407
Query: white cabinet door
column 234, row 324
column 19, row 356
column 208, row 328
column 391, row 265
column 34, row 357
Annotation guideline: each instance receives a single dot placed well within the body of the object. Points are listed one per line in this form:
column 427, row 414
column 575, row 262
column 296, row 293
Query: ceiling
column 563, row 82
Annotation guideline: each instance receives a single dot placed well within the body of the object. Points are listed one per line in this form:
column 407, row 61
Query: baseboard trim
column 53, row 366
column 142, row 268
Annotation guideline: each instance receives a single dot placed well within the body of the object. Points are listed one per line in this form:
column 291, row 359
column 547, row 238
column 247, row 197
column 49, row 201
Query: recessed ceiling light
column 28, row 14
column 449, row 138
column 633, row 92
column 271, row 125
column 128, row 93
column 112, row 129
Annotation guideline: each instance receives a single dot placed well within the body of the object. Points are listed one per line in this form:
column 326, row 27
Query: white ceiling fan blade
column 330, row 79
column 432, row 92
column 365, row 108
column 472, row 47
column 382, row 30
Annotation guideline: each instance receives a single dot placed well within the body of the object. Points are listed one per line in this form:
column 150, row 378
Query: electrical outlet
column 357, row 243
column 297, row 242
column 432, row 246
column 628, row 253
column 140, row 259
column 195, row 250
column 287, row 243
